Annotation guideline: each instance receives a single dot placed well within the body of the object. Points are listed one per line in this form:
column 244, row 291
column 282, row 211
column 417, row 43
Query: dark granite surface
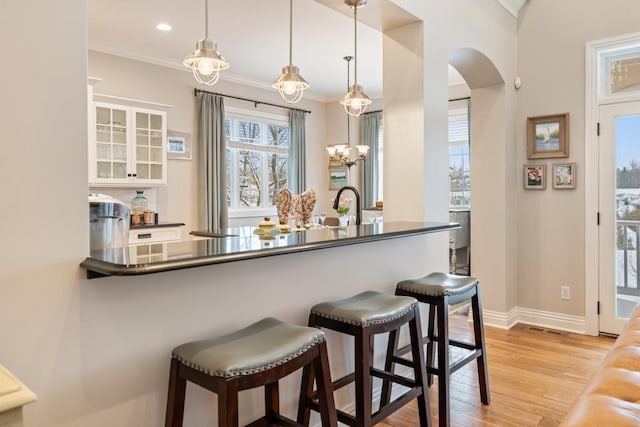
column 242, row 244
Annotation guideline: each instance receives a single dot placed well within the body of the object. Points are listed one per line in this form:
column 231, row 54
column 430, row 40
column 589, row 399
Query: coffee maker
column 109, row 228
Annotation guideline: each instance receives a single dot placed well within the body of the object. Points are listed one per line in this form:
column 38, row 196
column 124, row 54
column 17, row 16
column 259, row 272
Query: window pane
column 248, row 132
column 230, row 182
column 227, row 129
column 249, row 178
column 278, row 136
column 278, row 168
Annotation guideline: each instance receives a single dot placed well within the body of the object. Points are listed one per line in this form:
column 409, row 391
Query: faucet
column 355, row 191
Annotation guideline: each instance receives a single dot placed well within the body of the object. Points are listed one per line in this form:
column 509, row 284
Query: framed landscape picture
column 534, row 177
column 338, row 177
column 548, row 136
column 564, row 175
column 178, row 145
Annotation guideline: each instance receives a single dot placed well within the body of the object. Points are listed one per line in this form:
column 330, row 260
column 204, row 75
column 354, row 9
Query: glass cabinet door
column 111, row 143
column 149, row 148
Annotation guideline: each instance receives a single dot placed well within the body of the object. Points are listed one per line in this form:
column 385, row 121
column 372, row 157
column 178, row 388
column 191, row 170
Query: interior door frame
column 594, row 53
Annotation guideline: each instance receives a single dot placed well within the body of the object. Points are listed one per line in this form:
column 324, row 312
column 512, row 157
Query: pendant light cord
column 206, row 19
column 355, row 42
column 348, row 59
column 290, row 32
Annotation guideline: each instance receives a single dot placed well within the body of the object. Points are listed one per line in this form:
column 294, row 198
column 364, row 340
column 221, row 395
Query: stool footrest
column 457, row 364
column 344, row 381
column 462, row 344
column 402, row 361
column 398, row 379
column 278, row 420
column 393, row 406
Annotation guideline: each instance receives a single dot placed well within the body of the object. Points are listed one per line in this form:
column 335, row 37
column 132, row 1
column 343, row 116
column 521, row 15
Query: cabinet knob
column 129, row 175
column 135, row 174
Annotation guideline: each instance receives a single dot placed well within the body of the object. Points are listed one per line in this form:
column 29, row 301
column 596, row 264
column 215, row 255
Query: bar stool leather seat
column 366, row 308
column 439, row 284
column 363, row 316
column 258, row 355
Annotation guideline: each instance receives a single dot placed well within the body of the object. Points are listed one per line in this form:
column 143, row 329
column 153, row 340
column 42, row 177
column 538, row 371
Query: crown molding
column 513, row 6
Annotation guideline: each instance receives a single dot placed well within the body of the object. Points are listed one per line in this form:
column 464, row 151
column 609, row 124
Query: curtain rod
column 255, row 103
column 372, row 112
column 460, row 99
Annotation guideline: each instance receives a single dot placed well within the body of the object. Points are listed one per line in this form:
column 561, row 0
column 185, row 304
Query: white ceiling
column 252, row 34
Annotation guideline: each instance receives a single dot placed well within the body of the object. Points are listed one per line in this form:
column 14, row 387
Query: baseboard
column 500, row 320
column 546, row 319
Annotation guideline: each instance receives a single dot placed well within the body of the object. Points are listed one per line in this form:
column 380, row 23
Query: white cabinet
column 127, row 146
column 145, row 235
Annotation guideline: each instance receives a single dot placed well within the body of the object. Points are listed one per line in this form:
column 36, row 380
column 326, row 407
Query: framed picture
column 338, row 177
column 534, row 177
column 178, row 145
column 564, row 175
column 548, row 136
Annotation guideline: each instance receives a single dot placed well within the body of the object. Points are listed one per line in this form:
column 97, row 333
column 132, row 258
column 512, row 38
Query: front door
column 619, row 213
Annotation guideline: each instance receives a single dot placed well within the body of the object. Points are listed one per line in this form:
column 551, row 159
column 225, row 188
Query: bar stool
column 363, row 316
column 439, row 290
column 258, row 355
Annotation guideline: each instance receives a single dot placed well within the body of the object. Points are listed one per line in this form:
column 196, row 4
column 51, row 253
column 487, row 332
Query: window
column 459, row 162
column 257, row 160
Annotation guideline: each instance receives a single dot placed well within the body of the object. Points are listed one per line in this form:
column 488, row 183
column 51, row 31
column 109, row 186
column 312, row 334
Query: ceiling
column 253, row 35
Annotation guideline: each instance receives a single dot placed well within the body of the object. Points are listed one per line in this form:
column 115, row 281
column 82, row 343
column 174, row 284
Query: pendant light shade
column 206, row 62
column 355, row 102
column 290, row 84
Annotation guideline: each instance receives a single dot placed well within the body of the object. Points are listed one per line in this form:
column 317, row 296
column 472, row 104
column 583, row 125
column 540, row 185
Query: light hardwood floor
column 535, row 375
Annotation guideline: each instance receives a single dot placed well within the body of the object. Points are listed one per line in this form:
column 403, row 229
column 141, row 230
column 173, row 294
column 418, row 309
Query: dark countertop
column 241, row 244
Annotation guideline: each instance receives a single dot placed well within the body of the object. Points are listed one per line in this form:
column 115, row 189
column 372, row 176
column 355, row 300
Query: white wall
column 179, row 200
column 551, row 222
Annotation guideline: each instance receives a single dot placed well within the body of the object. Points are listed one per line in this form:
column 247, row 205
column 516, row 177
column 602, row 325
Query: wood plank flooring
column 535, row 375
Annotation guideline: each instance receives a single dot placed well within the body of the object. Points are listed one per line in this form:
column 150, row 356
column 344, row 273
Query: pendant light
column 342, row 152
column 290, row 84
column 355, row 101
column 206, row 62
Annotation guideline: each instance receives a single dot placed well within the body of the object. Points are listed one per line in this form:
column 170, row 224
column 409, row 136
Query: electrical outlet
column 565, row 292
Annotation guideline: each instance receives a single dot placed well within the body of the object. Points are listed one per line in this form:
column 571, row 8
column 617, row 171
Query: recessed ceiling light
column 163, row 26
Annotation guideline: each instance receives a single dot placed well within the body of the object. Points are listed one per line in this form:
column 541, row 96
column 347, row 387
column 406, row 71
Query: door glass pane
column 156, row 171
column 119, row 170
column 142, row 171
column 155, row 122
column 142, row 120
column 119, row 135
column 119, row 118
column 624, row 75
column 627, row 214
column 142, row 154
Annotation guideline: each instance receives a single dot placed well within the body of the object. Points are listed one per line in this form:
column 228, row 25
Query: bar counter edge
column 99, row 268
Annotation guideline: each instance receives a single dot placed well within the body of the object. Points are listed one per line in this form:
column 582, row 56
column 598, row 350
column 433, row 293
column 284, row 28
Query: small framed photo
column 534, row 177
column 548, row 136
column 564, row 175
column 338, row 177
column 178, row 145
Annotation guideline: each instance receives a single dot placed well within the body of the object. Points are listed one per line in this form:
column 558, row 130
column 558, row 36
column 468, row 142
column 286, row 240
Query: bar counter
column 238, row 244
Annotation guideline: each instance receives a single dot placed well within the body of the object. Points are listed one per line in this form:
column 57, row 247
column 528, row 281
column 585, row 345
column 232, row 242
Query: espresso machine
column 109, row 228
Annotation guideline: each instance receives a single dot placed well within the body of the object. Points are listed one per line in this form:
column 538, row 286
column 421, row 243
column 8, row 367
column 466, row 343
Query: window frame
column 264, row 119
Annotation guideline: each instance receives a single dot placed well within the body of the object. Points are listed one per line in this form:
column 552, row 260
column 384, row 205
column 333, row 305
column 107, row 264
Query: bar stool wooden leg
column 228, row 405
column 389, row 366
column 444, row 374
column 175, row 398
column 306, row 391
column 430, row 343
column 364, row 357
column 478, row 332
column 272, row 401
column 325, row 388
column 419, row 369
